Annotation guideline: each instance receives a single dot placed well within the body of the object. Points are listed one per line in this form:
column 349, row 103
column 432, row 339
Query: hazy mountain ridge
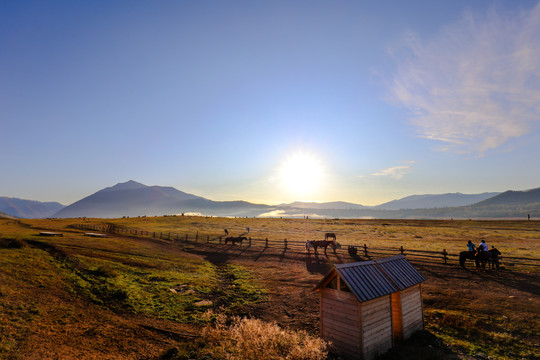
column 436, row 201
column 135, row 199
column 513, row 197
column 6, row 216
column 28, row 208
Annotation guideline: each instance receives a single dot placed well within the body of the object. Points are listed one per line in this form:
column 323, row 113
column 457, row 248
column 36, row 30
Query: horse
column 329, row 236
column 234, row 240
column 315, row 244
column 494, row 263
column 480, row 258
column 483, row 257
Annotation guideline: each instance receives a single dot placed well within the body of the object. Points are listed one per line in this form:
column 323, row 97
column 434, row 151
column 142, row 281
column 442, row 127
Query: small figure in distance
column 226, row 232
column 471, row 246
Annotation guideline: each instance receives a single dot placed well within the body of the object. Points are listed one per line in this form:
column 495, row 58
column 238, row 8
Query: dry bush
column 256, row 339
column 16, row 243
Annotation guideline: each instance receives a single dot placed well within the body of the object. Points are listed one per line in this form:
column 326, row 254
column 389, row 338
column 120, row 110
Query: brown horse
column 315, row 244
column 329, row 236
column 234, row 240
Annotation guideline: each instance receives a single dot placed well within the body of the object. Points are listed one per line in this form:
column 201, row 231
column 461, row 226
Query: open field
column 129, row 296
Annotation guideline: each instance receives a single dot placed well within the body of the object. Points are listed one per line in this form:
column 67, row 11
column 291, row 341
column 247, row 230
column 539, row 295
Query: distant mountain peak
column 128, row 185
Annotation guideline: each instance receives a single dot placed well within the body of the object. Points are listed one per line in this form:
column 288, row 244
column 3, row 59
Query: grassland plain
column 133, row 297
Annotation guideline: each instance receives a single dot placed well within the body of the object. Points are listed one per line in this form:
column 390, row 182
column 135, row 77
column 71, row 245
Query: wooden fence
column 355, row 251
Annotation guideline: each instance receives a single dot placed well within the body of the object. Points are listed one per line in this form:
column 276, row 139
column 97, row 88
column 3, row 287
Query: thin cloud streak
column 476, row 85
column 395, row 172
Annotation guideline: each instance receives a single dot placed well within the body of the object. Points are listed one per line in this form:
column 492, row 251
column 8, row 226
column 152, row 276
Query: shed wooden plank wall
column 376, row 326
column 412, row 311
column 340, row 322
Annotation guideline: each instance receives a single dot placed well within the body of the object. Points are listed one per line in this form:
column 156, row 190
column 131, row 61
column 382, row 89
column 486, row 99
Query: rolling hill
column 513, row 198
column 28, row 208
column 436, row 201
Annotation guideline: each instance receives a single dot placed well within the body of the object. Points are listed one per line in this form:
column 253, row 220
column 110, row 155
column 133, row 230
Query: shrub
column 256, row 339
column 16, row 243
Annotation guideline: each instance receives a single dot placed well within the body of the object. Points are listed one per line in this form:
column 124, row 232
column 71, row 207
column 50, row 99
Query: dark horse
column 329, row 236
column 322, row 243
column 234, row 240
column 480, row 258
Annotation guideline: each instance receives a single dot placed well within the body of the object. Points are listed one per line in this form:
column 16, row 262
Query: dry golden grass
column 253, row 339
column 512, row 237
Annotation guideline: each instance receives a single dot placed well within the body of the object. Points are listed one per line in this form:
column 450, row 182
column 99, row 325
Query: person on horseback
column 483, row 246
column 471, row 246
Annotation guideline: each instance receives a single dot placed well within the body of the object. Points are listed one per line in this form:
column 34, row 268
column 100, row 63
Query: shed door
column 376, row 326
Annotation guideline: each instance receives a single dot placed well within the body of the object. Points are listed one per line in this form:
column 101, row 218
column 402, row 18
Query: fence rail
column 295, row 245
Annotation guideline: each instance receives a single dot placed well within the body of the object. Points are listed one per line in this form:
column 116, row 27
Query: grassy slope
column 74, row 283
column 91, row 284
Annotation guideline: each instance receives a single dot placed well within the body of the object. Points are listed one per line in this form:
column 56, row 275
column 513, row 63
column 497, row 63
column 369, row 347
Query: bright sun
column 301, row 174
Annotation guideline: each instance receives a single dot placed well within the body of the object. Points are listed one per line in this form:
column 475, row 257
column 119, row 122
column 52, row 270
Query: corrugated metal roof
column 401, row 272
column 371, row 279
column 366, row 280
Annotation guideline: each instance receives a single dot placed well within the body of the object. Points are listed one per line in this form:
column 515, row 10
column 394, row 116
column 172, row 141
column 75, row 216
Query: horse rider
column 482, row 247
column 471, row 246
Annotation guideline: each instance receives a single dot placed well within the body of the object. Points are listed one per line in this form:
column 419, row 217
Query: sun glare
column 301, row 174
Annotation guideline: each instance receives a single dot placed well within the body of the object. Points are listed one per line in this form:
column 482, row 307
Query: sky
column 269, row 101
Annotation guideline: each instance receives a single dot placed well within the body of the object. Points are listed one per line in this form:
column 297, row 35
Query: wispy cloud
column 476, row 84
column 396, row 172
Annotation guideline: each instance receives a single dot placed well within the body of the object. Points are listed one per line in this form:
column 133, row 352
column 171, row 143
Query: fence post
column 444, row 255
column 250, row 241
column 285, row 242
column 266, row 245
column 365, row 250
column 197, row 236
column 401, row 249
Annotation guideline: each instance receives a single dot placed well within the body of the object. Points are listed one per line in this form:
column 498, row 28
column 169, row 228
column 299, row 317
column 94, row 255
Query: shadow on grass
column 316, row 264
column 422, row 345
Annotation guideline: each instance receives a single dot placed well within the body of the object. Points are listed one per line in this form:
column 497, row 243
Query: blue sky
column 223, row 98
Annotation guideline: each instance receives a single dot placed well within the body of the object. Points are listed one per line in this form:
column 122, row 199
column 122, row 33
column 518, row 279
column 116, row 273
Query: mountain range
column 28, row 208
column 135, row 199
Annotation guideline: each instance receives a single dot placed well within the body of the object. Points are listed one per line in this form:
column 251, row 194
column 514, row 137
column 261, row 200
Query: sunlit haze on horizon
column 270, row 102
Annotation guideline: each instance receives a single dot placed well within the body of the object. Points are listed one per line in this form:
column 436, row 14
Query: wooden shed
column 366, row 307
